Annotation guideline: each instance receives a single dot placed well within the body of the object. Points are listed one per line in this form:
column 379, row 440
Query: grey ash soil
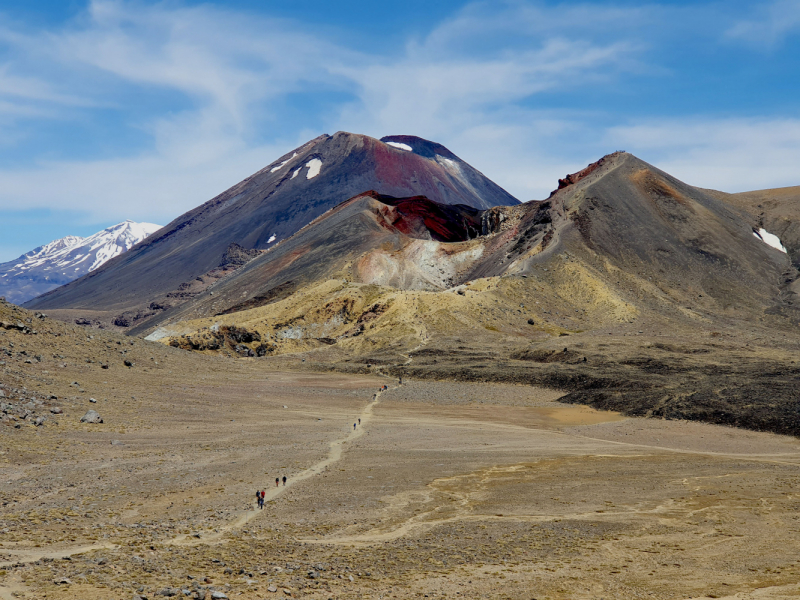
column 716, row 380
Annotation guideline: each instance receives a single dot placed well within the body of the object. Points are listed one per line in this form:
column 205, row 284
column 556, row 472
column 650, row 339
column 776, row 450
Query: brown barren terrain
column 445, row 489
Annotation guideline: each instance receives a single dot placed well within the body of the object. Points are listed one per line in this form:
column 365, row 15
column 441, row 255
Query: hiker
column 359, row 420
column 276, row 482
column 258, row 498
column 284, row 481
column 354, row 426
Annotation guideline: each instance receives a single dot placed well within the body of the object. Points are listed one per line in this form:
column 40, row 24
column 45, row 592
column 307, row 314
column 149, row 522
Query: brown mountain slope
column 628, row 287
column 776, row 210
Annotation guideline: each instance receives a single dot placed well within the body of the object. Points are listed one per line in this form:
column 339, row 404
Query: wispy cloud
column 233, row 73
column 214, row 94
column 733, row 155
column 769, row 25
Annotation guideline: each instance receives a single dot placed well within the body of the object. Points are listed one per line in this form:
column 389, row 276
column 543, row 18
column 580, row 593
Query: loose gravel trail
column 337, row 448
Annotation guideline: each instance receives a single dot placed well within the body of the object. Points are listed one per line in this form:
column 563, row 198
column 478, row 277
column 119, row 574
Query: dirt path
column 33, row 554
column 334, row 455
column 11, row 590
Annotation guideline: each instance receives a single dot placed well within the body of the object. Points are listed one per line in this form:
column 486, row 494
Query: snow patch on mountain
column 68, row 258
column 283, row 164
column 314, row 166
column 400, row 145
column 770, row 239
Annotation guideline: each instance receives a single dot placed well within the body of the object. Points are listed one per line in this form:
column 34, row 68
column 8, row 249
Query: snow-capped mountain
column 64, row 260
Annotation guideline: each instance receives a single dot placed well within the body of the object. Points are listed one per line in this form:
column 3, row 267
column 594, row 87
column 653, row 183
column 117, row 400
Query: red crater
column 417, row 216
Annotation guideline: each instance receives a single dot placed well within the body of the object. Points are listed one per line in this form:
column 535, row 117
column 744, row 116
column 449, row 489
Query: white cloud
column 233, row 70
column 471, row 83
column 731, row 155
column 224, row 68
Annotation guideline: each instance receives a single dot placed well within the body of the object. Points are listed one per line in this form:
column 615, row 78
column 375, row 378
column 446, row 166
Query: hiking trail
column 334, row 455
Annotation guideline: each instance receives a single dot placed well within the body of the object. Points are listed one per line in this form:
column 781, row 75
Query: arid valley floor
column 457, row 490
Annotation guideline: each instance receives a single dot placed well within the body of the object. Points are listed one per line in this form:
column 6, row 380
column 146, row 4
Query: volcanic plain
column 442, row 489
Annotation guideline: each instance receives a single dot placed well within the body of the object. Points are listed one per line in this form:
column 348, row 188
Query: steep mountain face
column 272, row 205
column 61, row 261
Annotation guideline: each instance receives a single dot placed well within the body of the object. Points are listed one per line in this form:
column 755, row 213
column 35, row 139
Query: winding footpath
column 334, row 455
column 337, row 447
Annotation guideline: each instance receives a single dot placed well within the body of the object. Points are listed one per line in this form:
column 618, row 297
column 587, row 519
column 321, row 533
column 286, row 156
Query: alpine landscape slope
column 267, row 207
column 701, row 310
column 382, row 363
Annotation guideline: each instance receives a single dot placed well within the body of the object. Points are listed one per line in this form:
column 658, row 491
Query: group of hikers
column 261, row 493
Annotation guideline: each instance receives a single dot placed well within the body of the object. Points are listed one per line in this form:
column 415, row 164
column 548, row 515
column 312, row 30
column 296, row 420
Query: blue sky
column 120, row 109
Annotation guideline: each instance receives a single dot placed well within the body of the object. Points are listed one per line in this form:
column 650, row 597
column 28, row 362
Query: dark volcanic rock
column 237, row 256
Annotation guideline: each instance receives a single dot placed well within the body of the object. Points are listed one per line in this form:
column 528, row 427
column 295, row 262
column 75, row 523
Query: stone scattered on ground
column 91, row 416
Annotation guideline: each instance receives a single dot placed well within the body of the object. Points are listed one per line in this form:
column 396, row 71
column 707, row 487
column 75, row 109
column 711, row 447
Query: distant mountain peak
column 63, row 260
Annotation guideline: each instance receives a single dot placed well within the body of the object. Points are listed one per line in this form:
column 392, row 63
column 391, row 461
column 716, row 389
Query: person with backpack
column 261, row 500
column 284, row 481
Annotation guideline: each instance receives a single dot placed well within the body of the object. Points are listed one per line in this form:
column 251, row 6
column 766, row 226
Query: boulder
column 91, row 416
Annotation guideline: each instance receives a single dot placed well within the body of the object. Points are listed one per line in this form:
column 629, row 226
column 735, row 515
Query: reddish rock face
column 418, row 216
column 574, row 178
